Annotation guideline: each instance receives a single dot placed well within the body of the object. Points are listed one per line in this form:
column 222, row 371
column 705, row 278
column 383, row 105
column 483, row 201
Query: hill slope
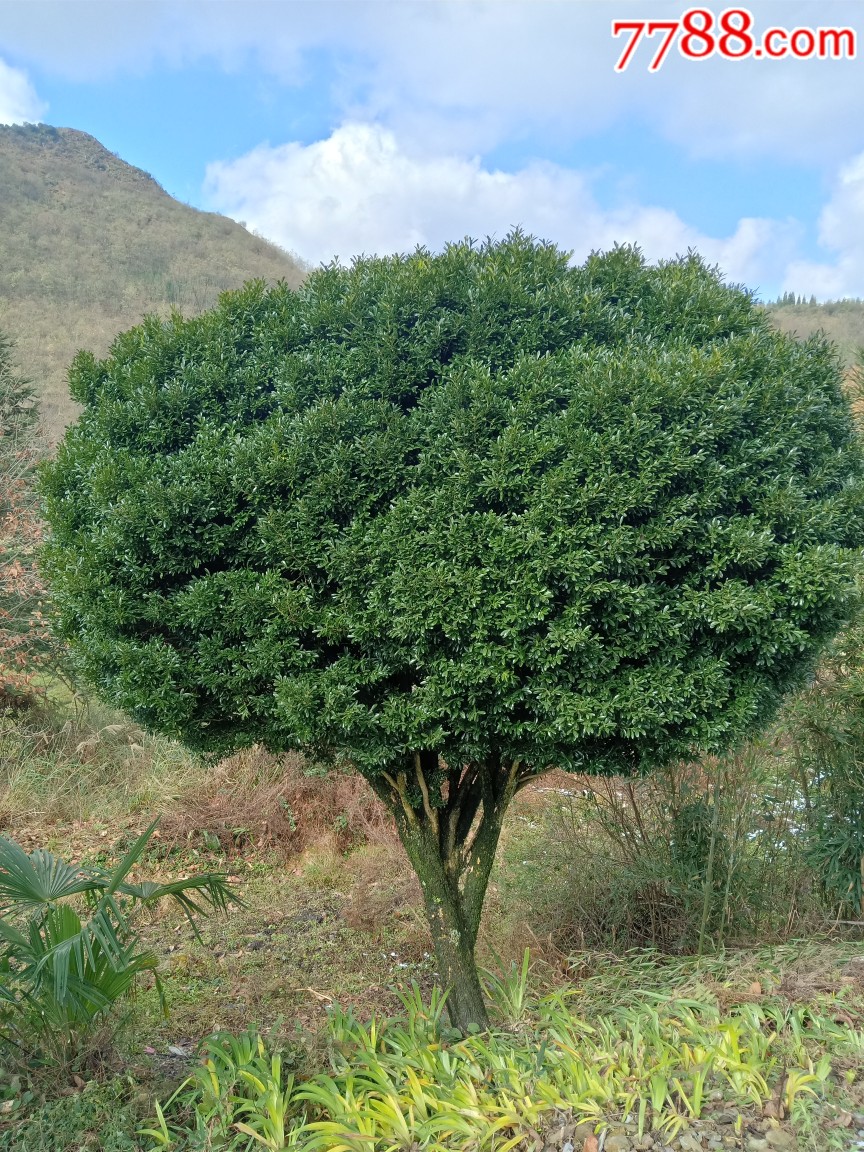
column 841, row 320
column 89, row 244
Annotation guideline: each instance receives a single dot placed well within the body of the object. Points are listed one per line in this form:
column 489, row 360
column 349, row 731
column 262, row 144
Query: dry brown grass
column 383, row 885
column 284, row 803
column 841, row 320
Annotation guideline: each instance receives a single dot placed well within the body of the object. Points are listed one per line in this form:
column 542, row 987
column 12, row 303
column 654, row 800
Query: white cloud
column 841, row 230
column 361, row 191
column 18, row 100
column 465, row 77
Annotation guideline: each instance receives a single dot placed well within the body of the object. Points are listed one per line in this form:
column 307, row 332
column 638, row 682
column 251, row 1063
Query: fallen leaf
column 591, row 1144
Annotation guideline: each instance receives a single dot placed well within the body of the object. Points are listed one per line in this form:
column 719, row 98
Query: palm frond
column 31, row 881
column 63, row 966
column 119, row 874
column 213, row 888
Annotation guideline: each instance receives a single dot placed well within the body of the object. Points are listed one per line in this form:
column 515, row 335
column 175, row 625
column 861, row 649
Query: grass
column 332, row 915
column 103, row 1117
column 60, row 770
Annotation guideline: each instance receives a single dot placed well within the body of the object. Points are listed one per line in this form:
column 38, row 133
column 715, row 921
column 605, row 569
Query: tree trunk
column 449, row 822
column 454, row 931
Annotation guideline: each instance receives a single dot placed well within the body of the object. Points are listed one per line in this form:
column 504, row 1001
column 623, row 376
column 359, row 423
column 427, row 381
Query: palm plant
column 68, row 947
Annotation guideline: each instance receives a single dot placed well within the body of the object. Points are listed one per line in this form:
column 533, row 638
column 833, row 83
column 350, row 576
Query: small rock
column 757, row 1144
column 617, row 1144
column 781, row 1139
column 727, row 1116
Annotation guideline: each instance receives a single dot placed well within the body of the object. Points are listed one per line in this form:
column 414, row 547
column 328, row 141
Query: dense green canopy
column 460, row 518
column 479, row 502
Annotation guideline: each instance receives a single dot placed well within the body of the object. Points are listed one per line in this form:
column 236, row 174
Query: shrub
column 68, row 948
column 459, row 519
column 827, row 738
column 615, row 864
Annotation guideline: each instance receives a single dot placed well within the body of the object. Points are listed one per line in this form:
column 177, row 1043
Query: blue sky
column 335, row 128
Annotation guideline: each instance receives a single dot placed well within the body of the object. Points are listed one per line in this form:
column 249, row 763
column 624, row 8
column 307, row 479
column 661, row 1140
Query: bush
column 827, row 738
column 458, row 519
column 61, row 972
column 615, row 864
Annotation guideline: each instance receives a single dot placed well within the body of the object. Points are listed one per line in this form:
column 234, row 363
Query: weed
column 412, row 1082
column 101, row 1118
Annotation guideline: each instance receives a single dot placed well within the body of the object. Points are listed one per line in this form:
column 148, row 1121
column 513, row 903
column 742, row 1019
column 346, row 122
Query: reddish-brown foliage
column 254, row 799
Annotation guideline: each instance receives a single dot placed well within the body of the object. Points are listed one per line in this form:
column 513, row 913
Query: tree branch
column 398, row 796
column 431, row 812
column 465, row 810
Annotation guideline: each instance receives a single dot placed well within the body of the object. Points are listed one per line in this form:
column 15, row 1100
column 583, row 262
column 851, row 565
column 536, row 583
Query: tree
column 25, row 642
column 459, row 518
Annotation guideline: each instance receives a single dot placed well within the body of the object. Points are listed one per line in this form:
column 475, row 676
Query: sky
column 341, row 127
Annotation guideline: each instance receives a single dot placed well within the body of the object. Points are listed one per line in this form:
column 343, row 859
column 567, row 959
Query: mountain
column 89, row 244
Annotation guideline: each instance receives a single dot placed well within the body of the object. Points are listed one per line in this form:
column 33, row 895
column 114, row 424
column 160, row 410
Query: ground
column 330, row 913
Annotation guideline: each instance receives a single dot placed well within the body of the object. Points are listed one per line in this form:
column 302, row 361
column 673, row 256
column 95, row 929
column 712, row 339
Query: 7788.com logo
column 731, row 36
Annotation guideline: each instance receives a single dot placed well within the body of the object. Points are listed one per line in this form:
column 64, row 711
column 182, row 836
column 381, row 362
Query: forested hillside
column 89, row 244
